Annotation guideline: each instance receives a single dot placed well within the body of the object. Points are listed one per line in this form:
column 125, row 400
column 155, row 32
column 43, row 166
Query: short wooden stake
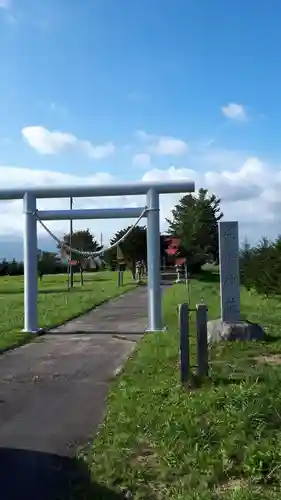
column 183, row 317
column 202, row 340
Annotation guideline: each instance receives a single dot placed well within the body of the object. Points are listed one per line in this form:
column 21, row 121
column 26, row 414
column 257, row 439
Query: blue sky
column 145, row 89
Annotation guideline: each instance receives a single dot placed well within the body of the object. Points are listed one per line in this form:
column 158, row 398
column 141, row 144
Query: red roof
column 173, row 241
column 171, row 251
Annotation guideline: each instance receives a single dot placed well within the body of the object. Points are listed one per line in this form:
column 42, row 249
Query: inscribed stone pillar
column 229, row 271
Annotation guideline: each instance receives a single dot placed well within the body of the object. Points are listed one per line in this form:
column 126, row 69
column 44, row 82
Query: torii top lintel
column 81, row 191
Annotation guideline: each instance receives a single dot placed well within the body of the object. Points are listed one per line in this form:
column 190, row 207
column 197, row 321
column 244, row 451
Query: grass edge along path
column 220, row 441
column 56, row 305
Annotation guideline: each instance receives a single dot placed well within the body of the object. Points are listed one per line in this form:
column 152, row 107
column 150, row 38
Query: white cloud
column 234, row 111
column 250, row 193
column 162, row 145
column 48, row 142
column 11, row 220
column 169, row 146
column 19, row 176
column 249, row 188
column 142, row 160
column 98, row 152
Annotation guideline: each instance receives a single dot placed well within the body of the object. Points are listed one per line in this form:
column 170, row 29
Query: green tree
column 264, row 267
column 246, row 264
column 82, row 240
column 133, row 247
column 195, row 222
column 15, row 268
column 47, row 262
column 261, row 267
column 4, row 268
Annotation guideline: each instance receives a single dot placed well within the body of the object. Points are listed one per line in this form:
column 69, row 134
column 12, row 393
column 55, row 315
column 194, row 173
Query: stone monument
column 229, row 271
column 230, row 326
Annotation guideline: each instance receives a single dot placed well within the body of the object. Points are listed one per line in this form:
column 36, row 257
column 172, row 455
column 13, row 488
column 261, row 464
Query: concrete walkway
column 52, row 395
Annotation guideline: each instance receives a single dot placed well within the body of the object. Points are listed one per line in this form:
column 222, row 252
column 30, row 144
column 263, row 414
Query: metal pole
column 121, row 276
column 202, row 340
column 153, row 262
column 30, row 264
column 118, row 278
column 86, row 191
column 184, row 342
column 70, row 244
column 92, row 213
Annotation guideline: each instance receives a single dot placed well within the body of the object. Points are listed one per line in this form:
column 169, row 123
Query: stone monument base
column 219, row 330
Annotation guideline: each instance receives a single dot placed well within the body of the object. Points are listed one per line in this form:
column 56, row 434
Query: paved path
column 52, row 395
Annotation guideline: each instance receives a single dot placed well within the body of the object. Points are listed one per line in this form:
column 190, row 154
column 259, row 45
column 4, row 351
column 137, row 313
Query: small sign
column 120, row 256
column 73, row 262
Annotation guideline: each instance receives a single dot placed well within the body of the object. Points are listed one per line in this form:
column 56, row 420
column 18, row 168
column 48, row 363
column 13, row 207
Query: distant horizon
column 12, row 246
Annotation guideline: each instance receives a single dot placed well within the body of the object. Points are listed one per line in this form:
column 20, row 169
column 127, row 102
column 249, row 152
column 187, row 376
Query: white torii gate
column 151, row 211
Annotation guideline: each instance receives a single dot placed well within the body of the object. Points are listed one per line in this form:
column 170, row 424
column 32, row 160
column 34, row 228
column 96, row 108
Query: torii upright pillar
column 153, row 262
column 30, row 263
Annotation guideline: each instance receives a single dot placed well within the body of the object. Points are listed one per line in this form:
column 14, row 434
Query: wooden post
column 184, row 341
column 202, row 340
column 118, row 277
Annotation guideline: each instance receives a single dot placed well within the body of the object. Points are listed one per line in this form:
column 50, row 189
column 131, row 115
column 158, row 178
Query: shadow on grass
column 64, row 290
column 228, row 373
column 46, row 292
column 51, row 291
column 114, row 333
column 89, row 280
column 217, row 380
column 270, row 338
column 195, row 383
column 36, row 475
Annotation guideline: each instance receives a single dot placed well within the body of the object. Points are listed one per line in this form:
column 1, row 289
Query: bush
column 260, row 267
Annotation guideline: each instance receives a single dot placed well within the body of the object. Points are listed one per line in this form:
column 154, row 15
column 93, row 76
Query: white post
column 30, row 264
column 178, row 274
column 153, row 262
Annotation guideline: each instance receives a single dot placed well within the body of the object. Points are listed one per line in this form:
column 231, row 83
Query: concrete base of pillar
column 219, row 330
column 39, row 331
column 164, row 329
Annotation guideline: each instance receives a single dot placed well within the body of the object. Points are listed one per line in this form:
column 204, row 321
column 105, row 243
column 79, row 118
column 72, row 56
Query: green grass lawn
column 55, row 303
column 220, row 441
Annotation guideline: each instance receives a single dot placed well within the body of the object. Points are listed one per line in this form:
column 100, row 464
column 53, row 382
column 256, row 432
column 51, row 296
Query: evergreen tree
column 195, row 222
